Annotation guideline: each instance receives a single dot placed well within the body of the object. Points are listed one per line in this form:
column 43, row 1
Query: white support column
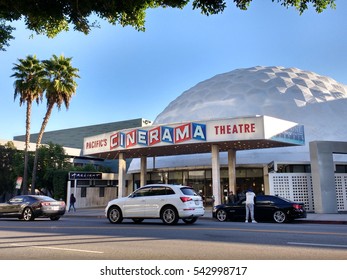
column 121, row 175
column 323, row 176
column 216, row 175
column 143, row 175
column 68, row 194
column 75, row 192
column 75, row 187
column 232, row 170
column 184, row 180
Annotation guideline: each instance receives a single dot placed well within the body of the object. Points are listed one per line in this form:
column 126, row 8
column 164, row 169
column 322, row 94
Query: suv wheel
column 169, row 215
column 190, row 220
column 114, row 215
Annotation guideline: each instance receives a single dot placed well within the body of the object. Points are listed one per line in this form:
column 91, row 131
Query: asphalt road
column 97, row 239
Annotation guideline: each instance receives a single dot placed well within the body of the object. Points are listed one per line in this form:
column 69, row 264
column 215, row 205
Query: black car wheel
column 28, row 214
column 190, row 220
column 221, row 215
column 138, row 220
column 54, row 218
column 279, row 216
column 169, row 215
column 114, row 215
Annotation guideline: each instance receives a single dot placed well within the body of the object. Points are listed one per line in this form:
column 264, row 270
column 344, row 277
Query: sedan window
column 16, row 200
column 45, row 198
column 263, row 202
column 276, row 200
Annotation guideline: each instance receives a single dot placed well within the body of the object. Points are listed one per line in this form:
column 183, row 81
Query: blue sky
column 126, row 74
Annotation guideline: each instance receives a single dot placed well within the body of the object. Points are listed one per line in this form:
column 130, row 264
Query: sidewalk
column 313, row 218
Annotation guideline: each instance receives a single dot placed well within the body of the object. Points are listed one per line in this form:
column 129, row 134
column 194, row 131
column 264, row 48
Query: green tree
column 52, row 17
column 5, row 34
column 7, row 174
column 52, row 159
column 60, row 178
column 29, row 74
column 60, row 86
column 11, row 167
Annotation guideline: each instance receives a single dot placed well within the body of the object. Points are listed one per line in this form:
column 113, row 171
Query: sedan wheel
column 169, row 216
column 114, row 215
column 279, row 216
column 221, row 215
column 190, row 220
column 28, row 214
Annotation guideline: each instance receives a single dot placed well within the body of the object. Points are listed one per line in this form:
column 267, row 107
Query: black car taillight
column 297, row 206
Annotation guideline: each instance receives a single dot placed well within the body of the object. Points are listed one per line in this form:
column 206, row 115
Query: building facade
column 315, row 101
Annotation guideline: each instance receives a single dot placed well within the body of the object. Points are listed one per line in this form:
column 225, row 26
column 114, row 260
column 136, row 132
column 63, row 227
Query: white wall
column 298, row 187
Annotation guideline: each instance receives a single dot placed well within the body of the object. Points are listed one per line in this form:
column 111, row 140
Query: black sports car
column 266, row 208
column 29, row 207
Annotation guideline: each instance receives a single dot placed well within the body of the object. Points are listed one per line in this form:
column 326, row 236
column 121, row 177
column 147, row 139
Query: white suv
column 167, row 202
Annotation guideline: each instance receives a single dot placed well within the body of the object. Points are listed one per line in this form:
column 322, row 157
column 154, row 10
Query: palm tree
column 28, row 86
column 60, row 86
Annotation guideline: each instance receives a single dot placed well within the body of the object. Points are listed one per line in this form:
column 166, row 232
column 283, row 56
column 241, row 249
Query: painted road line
column 317, row 244
column 56, row 248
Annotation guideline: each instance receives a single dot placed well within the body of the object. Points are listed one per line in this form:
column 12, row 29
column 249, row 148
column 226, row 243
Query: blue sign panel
column 294, row 135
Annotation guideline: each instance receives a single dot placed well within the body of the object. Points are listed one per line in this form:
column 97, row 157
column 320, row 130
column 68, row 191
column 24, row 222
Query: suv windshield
column 188, row 191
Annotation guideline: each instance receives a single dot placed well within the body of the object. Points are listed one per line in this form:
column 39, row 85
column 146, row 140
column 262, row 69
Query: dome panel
column 287, row 93
column 317, row 102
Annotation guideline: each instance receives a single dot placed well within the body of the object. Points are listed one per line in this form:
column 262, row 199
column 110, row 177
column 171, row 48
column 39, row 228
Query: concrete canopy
column 196, row 137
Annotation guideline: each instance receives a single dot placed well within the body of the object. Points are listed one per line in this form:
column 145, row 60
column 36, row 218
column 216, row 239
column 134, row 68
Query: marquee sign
column 218, row 130
column 85, row 175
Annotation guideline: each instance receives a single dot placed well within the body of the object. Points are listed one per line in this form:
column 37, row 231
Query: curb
column 322, row 222
column 211, row 218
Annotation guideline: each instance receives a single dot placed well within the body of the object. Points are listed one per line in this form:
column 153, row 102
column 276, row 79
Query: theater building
column 313, row 171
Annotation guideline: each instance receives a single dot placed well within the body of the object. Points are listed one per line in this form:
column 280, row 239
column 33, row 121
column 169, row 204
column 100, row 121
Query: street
column 73, row 238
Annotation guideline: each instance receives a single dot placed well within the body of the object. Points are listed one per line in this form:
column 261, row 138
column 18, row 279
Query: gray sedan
column 29, row 207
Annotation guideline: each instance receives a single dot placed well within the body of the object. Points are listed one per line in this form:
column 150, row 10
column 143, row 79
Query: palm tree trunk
column 27, row 141
column 38, row 142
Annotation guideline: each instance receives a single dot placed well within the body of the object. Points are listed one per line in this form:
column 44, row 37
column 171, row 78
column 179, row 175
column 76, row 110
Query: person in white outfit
column 250, row 196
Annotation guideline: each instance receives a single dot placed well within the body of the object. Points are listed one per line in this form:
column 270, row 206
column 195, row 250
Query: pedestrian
column 241, row 195
column 72, row 202
column 250, row 196
column 231, row 197
column 202, row 196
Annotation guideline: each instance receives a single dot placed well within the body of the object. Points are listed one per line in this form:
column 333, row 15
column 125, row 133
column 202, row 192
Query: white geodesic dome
column 318, row 102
